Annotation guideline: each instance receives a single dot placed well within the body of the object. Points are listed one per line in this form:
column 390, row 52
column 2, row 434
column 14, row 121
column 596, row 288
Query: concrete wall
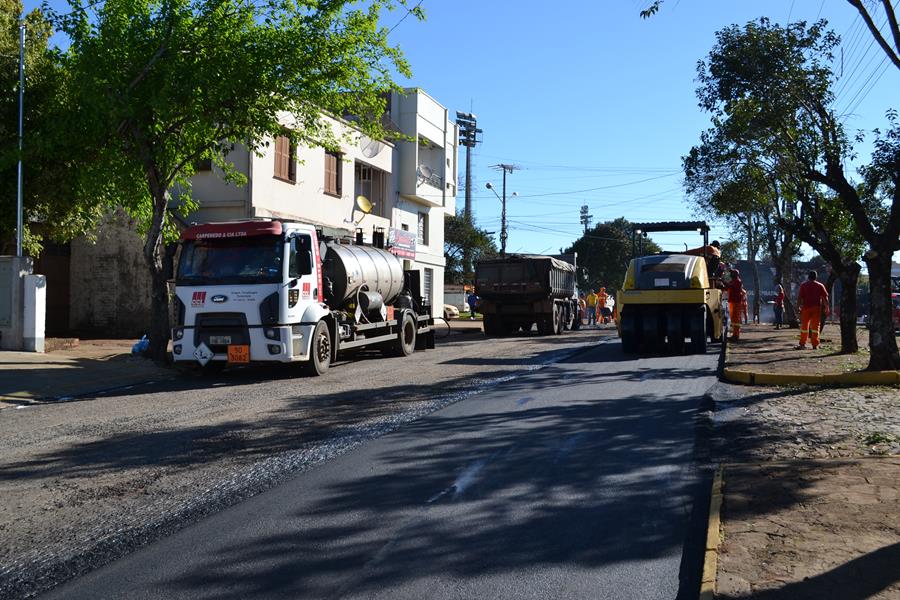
column 110, row 291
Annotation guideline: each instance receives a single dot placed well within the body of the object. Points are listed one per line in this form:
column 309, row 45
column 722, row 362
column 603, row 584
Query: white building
column 412, row 185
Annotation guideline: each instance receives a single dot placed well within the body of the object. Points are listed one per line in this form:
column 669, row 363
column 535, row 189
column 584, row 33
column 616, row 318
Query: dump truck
column 669, row 301
column 269, row 291
column 519, row 291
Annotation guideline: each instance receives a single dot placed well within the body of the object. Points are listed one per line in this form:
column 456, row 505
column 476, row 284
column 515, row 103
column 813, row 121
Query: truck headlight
column 177, row 333
column 272, row 334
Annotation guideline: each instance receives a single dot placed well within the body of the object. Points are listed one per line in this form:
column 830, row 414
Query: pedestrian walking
column 779, row 307
column 812, row 299
column 591, row 301
column 472, row 299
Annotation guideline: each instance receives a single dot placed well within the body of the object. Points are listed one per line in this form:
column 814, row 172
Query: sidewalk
column 92, row 366
column 765, row 355
column 811, row 474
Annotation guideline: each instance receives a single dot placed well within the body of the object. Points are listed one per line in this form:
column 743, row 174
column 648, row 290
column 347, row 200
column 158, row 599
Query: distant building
column 103, row 288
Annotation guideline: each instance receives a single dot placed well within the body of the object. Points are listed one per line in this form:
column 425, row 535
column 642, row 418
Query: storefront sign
column 402, row 243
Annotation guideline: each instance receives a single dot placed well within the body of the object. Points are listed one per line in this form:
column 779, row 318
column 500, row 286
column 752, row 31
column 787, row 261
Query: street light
column 503, row 234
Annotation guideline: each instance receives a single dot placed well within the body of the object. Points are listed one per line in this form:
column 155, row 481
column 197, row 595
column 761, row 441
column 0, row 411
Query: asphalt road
column 579, row 480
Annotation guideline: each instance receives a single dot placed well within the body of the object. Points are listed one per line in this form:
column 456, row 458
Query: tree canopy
column 157, row 85
column 48, row 156
column 462, row 236
column 604, row 252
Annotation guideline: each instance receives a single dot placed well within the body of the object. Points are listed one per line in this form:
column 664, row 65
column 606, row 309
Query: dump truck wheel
column 674, row 332
column 490, row 324
column 698, row 332
column 545, row 326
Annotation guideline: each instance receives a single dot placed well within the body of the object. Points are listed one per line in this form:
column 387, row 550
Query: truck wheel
column 489, row 324
column 406, row 337
column 698, row 331
column 319, row 350
column 545, row 325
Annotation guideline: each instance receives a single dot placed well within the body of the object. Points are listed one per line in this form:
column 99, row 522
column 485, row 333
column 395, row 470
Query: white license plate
column 661, row 282
column 220, row 340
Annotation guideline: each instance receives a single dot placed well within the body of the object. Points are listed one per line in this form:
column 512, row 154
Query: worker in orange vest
column 602, row 298
column 735, row 286
column 812, row 299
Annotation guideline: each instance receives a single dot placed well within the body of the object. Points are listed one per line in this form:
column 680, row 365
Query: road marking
column 524, row 401
column 466, row 478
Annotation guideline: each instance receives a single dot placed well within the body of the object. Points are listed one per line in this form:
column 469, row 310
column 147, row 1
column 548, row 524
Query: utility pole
column 586, row 218
column 20, row 234
column 503, row 235
column 468, row 137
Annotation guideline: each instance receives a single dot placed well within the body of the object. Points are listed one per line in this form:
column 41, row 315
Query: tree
column 157, row 85
column 462, row 238
column 604, row 251
column 769, row 85
column 47, row 156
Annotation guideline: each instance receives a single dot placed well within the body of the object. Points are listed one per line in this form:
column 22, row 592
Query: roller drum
column 350, row 267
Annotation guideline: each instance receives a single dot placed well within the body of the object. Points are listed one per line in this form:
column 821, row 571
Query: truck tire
column 406, row 336
column 491, row 325
column 545, row 325
column 319, row 351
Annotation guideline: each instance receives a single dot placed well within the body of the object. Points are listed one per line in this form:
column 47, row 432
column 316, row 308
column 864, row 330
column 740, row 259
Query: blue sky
column 585, row 94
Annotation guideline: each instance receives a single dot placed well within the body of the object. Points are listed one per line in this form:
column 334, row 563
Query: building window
column 422, row 232
column 333, row 173
column 285, row 159
column 370, row 183
column 428, row 284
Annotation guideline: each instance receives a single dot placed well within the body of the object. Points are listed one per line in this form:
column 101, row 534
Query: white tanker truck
column 271, row 291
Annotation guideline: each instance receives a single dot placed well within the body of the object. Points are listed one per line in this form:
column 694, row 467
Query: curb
column 713, row 537
column 859, row 378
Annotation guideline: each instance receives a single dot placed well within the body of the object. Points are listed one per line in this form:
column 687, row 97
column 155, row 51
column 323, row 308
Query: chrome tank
column 349, row 267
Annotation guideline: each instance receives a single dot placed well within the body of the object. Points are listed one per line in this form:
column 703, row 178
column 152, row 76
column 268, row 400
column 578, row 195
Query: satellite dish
column 364, row 204
column 369, row 147
column 424, row 171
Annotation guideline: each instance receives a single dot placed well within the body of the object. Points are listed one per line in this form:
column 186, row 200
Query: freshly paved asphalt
column 579, row 480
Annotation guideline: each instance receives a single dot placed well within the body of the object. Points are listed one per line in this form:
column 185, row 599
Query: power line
column 605, row 187
column 409, row 11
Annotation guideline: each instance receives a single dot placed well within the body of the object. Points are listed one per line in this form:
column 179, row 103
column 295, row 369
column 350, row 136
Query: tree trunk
column 882, row 341
column 790, row 313
column 849, row 279
column 154, row 254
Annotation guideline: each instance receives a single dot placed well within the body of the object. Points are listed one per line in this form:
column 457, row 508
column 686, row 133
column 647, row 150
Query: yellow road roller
column 669, row 303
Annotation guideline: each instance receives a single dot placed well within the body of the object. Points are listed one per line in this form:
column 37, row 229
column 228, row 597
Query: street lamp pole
column 20, row 234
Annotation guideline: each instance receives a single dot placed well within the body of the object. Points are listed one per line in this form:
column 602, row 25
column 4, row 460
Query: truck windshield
column 254, row 259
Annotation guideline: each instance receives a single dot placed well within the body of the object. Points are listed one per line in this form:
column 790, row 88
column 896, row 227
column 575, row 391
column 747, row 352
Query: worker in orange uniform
column 811, row 299
column 734, row 286
column 602, row 298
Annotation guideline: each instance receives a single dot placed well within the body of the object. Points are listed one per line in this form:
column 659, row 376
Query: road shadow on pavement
column 588, row 482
